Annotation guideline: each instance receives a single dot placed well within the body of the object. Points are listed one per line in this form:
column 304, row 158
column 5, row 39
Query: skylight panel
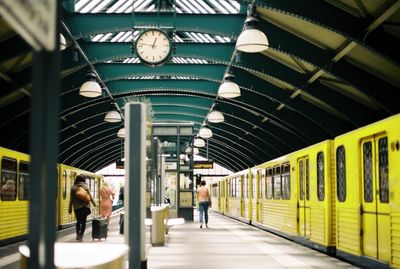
column 219, row 7
column 115, row 6
column 124, row 7
column 203, row 38
column 220, row 39
column 80, row 5
column 177, row 38
column 206, row 6
column 193, row 36
column 90, row 6
column 105, row 37
column 136, row 4
column 117, row 36
column 228, row 6
column 125, row 37
column 187, row 10
column 101, row 6
column 143, row 5
column 193, row 8
column 212, row 40
column 97, row 37
column 151, row 8
column 200, row 8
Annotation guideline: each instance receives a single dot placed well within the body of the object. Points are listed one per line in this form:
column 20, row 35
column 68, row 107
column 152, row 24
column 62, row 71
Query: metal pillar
column 44, row 152
column 135, row 186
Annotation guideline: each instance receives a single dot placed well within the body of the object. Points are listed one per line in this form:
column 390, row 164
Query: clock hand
column 154, row 42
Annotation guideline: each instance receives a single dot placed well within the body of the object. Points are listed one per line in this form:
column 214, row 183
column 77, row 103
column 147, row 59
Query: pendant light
column 251, row 39
column 199, row 142
column 205, row 132
column 63, row 42
column 90, row 88
column 196, row 151
column 121, row 133
column 228, row 88
column 113, row 115
column 215, row 115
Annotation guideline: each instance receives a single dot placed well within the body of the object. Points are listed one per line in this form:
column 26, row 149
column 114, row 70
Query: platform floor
column 226, row 244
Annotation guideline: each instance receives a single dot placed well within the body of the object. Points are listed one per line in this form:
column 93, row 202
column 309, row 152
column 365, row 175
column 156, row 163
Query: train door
column 260, row 177
column 375, row 198
column 304, row 197
column 243, row 195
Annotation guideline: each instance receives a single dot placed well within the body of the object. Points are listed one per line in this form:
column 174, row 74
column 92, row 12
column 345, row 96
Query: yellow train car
column 368, row 193
column 277, row 198
column 67, row 175
column 14, row 195
column 311, row 170
column 233, row 204
column 14, row 168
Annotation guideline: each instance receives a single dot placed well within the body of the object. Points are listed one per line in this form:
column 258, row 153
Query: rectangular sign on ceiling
column 34, row 20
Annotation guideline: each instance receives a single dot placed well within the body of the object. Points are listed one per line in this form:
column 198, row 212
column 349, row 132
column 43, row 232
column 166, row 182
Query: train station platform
column 226, row 244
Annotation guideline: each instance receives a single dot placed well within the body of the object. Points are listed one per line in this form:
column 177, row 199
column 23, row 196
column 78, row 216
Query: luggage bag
column 99, row 229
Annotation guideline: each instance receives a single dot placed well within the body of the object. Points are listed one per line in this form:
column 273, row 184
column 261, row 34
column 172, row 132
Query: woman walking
column 203, row 196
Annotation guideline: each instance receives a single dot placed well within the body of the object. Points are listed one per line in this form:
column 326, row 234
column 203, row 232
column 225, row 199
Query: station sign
column 34, row 20
column 203, row 165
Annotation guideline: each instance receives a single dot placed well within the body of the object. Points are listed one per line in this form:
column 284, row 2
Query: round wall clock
column 153, row 47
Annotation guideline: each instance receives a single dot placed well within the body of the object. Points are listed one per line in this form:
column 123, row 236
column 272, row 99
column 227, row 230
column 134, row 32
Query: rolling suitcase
column 99, row 229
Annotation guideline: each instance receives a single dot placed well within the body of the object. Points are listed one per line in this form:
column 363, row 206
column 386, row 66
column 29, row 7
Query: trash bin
column 157, row 227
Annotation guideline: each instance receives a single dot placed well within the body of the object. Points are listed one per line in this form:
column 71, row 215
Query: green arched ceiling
column 332, row 66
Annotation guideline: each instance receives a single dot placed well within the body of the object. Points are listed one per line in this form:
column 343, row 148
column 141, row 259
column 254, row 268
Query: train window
column 253, row 185
column 301, row 179
column 237, row 187
column 320, row 176
column 64, row 184
column 246, row 187
column 8, row 179
column 23, row 181
column 383, row 170
column 367, row 163
column 341, row 173
column 260, row 175
column 268, row 184
column 276, row 178
column 307, row 180
column 286, row 181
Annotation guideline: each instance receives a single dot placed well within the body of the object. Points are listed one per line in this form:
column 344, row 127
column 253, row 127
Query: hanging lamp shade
column 121, row 133
column 112, row 116
column 215, row 115
column 188, row 150
column 252, row 40
column 63, row 42
column 228, row 88
column 196, row 151
column 205, row 132
column 90, row 88
column 199, row 142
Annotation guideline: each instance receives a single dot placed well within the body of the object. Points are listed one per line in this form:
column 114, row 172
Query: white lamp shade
column 228, row 89
column 90, row 89
column 196, row 151
column 112, row 116
column 188, row 150
column 198, row 142
column 63, row 42
column 205, row 132
column 252, row 40
column 215, row 117
column 121, row 133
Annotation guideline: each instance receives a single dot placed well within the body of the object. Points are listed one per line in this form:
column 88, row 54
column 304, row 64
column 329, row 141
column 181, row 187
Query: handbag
column 83, row 195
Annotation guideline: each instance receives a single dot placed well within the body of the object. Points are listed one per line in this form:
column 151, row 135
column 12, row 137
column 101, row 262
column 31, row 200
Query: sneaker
column 206, row 226
column 201, row 226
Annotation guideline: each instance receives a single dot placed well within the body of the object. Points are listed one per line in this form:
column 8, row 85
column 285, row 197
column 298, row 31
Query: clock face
column 153, row 47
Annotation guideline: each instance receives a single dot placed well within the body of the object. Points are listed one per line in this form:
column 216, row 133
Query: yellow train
column 340, row 196
column 14, row 194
